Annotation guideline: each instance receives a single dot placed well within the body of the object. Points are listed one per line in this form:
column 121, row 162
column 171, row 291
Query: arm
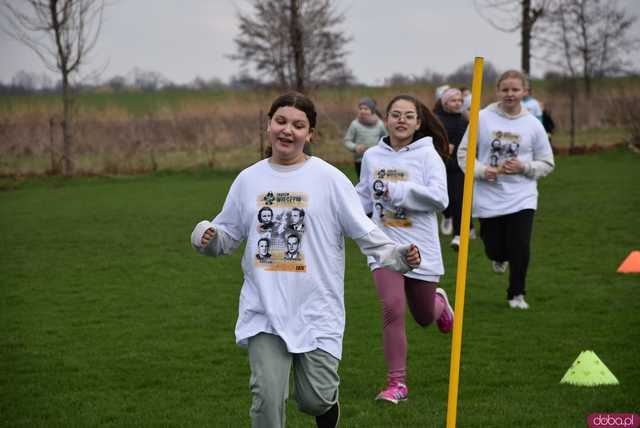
column 431, row 195
column 542, row 163
column 388, row 254
column 362, row 188
column 480, row 168
column 225, row 233
column 208, row 240
column 349, row 138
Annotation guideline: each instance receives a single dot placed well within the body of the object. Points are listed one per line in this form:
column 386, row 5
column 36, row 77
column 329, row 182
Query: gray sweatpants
column 315, row 380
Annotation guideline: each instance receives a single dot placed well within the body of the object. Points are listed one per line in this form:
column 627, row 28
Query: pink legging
column 394, row 290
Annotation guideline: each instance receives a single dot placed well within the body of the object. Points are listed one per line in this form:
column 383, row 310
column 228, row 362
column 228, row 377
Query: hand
column 361, row 148
column 491, row 173
column 451, row 148
column 209, row 234
column 413, row 258
column 513, row 166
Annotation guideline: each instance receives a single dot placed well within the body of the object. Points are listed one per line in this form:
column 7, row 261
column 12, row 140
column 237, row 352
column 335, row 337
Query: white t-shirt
column 416, row 180
column 294, row 225
column 500, row 138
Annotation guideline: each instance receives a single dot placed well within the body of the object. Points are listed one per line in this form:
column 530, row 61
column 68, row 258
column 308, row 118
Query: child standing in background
column 404, row 185
column 291, row 310
column 364, row 132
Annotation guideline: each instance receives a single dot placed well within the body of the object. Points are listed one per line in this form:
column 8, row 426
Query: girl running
column 513, row 153
column 292, row 299
column 404, row 185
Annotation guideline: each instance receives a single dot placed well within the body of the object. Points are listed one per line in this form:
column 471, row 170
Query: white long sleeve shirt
column 294, row 222
column 502, row 137
column 404, row 190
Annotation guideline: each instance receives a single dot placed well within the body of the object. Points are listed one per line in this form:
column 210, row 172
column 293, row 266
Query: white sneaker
column 446, row 226
column 499, row 267
column 472, row 234
column 455, row 243
column 518, row 302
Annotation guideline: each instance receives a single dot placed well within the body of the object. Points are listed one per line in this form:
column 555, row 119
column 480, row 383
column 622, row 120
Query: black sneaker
column 329, row 419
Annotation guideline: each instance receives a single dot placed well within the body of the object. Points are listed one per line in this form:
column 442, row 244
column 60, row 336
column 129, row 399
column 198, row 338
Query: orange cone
column 631, row 264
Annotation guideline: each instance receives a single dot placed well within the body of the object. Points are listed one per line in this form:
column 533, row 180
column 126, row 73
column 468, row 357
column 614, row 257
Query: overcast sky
column 183, row 39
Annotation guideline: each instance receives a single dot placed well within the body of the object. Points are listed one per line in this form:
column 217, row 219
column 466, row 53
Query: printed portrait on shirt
column 263, row 255
column 281, row 226
column 388, row 214
column 503, row 146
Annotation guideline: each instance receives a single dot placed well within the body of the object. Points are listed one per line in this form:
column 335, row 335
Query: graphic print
column 504, row 146
column 281, row 226
column 387, row 214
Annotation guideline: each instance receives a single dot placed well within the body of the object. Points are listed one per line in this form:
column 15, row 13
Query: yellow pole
column 461, row 276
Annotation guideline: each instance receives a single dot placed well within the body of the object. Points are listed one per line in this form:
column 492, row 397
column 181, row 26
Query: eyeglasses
column 409, row 115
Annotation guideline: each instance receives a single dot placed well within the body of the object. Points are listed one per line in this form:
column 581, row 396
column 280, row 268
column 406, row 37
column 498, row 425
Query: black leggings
column 508, row 238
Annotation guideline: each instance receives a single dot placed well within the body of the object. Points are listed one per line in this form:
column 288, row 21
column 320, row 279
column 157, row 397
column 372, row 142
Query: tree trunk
column 525, row 30
column 67, row 128
column 296, row 44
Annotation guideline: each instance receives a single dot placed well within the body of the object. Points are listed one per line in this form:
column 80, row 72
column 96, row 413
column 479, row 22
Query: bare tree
column 589, row 38
column 62, row 33
column 515, row 15
column 295, row 43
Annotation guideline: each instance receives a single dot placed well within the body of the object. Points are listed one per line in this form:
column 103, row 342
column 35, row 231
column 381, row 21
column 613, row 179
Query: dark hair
column 298, row 101
column 300, row 210
column 261, row 211
column 430, row 125
column 293, row 235
column 265, row 240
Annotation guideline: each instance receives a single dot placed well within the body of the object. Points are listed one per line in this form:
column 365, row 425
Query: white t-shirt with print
column 501, row 138
column 295, row 288
column 415, row 180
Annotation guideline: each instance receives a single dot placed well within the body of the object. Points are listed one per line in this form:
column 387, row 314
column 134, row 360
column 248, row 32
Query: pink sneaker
column 394, row 393
column 445, row 322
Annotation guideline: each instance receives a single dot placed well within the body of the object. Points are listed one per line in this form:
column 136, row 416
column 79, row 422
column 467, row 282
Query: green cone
column 588, row 370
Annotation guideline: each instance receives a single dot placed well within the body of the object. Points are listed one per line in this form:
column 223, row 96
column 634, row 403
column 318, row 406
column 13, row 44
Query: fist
column 413, row 256
column 208, row 235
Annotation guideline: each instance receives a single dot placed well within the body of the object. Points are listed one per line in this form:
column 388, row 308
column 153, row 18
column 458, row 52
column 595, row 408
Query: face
column 454, row 104
column 364, row 112
column 288, row 131
column 263, row 248
column 292, row 244
column 510, row 93
column 295, row 216
column 402, row 122
column 266, row 216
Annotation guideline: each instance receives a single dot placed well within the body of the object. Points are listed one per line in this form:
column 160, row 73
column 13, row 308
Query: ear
column 309, row 136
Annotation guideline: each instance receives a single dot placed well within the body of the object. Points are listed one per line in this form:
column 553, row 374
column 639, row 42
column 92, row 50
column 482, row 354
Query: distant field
column 109, row 318
column 132, row 132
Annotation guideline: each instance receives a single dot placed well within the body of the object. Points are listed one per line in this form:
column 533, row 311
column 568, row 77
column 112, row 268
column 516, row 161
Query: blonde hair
column 514, row 74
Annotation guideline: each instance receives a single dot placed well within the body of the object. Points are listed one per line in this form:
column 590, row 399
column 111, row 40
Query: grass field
column 108, row 317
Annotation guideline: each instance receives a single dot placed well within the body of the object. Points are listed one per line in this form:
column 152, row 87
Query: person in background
column 531, row 104
column 364, row 131
column 466, row 101
column 513, row 153
column 446, row 223
column 548, row 123
column 449, row 110
column 404, row 185
column 291, row 311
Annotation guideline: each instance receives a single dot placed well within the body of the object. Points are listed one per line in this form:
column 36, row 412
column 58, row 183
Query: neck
column 512, row 111
column 287, row 162
column 398, row 144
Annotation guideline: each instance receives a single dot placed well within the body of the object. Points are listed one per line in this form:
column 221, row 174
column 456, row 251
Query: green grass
column 108, row 318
